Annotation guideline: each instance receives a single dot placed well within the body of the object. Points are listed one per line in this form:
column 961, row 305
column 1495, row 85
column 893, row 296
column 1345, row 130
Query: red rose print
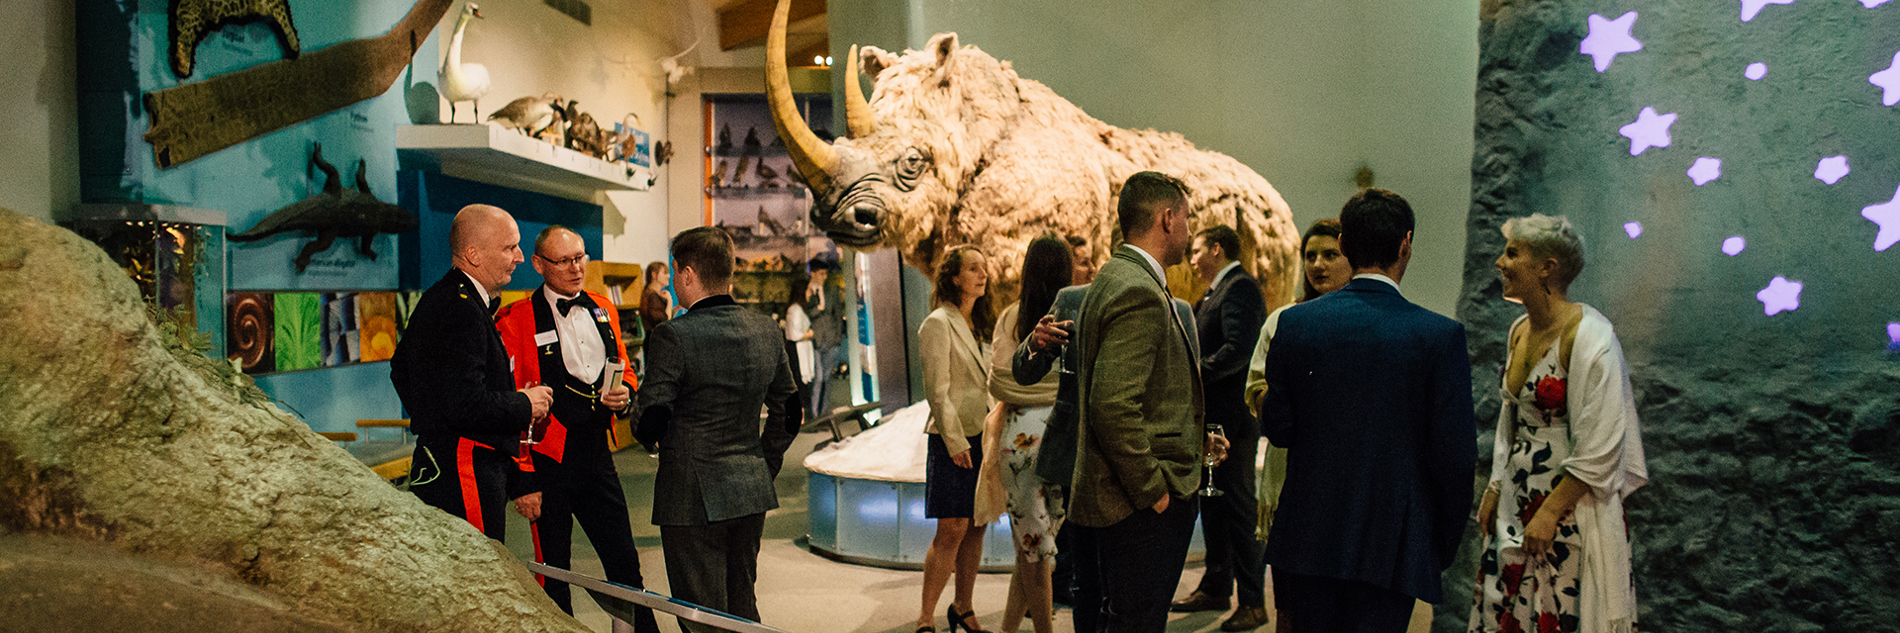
column 1530, row 509
column 1508, row 624
column 1513, row 579
column 1550, row 393
column 1547, row 623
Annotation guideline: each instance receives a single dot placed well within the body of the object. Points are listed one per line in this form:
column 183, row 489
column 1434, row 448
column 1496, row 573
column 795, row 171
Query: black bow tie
column 564, row 304
column 494, row 305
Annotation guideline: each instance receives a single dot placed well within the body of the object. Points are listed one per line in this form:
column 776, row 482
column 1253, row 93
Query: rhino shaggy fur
column 1007, row 159
column 108, row 435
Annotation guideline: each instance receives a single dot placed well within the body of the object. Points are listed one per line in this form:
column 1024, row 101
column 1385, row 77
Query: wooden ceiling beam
column 745, row 23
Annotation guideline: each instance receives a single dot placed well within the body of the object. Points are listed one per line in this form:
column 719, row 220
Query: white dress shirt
column 581, row 348
column 1388, row 280
column 1160, row 273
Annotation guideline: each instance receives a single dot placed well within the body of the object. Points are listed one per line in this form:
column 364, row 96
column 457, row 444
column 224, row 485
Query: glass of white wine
column 1208, row 460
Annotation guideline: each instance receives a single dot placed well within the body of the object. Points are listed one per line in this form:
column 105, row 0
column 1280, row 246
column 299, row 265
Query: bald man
column 452, row 374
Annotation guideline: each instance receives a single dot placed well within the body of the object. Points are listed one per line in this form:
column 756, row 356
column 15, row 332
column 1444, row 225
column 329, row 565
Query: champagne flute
column 527, row 437
column 1208, row 460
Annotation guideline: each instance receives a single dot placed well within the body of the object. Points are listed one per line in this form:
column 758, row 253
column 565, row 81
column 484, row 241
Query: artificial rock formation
column 110, row 434
column 1773, row 441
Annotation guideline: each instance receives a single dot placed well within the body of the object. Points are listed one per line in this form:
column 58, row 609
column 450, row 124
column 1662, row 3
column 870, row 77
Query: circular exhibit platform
column 867, row 499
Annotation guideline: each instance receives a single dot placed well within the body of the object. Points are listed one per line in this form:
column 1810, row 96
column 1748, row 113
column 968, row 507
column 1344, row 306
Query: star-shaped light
column 1781, row 295
column 1755, row 71
column 1831, row 169
column 1649, row 130
column 1872, row 3
column 1733, row 245
column 1705, row 169
column 1752, row 7
column 1608, row 38
column 1635, row 229
column 1888, row 217
column 1889, row 82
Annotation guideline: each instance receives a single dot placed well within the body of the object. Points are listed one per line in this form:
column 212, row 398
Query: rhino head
column 943, row 113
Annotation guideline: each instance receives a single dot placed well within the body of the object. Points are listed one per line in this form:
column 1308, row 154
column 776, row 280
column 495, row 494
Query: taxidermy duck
column 463, row 82
column 583, row 133
column 332, row 213
column 531, row 115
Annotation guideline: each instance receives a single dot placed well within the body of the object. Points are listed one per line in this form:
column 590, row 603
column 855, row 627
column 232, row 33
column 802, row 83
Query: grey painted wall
column 1774, row 500
column 1305, row 92
column 38, row 111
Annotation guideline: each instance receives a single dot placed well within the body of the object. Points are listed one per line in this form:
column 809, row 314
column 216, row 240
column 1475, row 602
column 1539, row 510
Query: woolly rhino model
column 955, row 148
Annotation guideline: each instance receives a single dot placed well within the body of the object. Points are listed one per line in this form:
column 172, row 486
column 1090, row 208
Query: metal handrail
column 838, row 417
column 619, row 600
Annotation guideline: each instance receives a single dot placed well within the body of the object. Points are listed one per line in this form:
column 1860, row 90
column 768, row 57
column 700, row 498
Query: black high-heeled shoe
column 961, row 620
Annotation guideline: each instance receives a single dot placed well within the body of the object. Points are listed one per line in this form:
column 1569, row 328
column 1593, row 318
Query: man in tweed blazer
column 1138, row 461
column 709, row 372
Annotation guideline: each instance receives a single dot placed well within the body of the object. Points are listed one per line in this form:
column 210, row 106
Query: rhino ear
column 874, row 60
column 942, row 45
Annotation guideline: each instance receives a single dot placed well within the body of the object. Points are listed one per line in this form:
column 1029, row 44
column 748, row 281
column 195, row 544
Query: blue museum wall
column 1772, row 427
column 435, row 198
column 122, row 55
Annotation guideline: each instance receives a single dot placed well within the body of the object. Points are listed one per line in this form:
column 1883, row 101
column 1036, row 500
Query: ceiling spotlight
column 827, row 60
column 818, row 60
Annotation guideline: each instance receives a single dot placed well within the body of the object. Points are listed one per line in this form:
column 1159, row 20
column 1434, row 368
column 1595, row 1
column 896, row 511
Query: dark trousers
column 715, row 565
column 589, row 494
column 1138, row 561
column 1235, row 559
column 465, row 478
column 1316, row 604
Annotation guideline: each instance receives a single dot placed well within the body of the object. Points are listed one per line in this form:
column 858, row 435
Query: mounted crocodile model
column 335, row 212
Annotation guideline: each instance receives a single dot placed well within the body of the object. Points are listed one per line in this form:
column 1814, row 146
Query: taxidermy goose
column 463, row 82
column 529, row 114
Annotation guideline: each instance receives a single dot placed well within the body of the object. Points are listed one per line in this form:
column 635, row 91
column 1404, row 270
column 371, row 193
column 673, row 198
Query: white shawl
column 1607, row 454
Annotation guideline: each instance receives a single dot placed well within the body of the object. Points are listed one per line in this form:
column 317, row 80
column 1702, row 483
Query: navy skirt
column 949, row 489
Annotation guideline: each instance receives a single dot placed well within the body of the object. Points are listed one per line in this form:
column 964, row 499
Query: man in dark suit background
column 1140, row 444
column 1371, row 396
column 1228, row 318
column 452, row 374
column 709, row 372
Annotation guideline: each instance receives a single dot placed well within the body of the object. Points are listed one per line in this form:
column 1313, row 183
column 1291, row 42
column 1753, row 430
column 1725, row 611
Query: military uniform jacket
column 1139, row 381
column 578, row 426
column 451, row 371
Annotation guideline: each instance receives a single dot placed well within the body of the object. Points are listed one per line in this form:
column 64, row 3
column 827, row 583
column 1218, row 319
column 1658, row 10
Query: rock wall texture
column 107, row 433
column 1773, row 441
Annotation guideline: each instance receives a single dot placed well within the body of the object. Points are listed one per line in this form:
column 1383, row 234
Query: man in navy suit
column 1371, row 396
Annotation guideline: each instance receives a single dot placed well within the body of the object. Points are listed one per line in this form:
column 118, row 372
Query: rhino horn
column 858, row 118
column 815, row 159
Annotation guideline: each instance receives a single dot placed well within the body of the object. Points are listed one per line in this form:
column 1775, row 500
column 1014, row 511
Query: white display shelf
column 492, row 148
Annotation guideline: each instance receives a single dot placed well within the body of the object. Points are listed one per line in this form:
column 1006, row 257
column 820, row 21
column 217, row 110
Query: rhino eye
column 909, row 168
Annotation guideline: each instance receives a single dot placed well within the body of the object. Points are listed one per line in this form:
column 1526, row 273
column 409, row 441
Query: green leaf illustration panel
column 299, row 330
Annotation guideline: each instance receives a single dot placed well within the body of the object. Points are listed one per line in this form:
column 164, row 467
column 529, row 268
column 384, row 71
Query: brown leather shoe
column 1245, row 619
column 1198, row 601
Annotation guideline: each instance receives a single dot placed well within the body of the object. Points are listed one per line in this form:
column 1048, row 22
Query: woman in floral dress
column 1568, row 451
column 1015, row 430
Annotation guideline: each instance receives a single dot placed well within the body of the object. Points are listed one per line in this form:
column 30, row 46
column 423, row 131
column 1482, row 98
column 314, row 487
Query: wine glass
column 1208, row 460
column 527, row 437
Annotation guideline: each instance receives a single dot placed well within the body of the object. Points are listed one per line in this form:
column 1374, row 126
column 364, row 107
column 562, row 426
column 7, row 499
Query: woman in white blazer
column 956, row 382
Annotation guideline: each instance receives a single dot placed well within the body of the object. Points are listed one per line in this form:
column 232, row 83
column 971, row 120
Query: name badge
column 549, row 337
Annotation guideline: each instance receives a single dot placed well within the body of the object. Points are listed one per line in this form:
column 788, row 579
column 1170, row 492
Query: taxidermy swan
column 463, row 82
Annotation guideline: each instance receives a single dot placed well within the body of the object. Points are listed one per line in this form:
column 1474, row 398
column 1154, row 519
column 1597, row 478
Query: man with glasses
column 568, row 339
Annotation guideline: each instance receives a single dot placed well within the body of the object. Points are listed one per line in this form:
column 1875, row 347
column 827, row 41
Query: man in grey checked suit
column 709, row 372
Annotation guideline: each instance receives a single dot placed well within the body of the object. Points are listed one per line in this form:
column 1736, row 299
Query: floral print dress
column 1036, row 508
column 1516, row 594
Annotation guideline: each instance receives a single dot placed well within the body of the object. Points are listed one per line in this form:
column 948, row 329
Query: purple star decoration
column 1755, row 71
column 1871, row 4
column 1781, row 295
column 1889, row 82
column 1733, row 245
column 1752, row 7
column 1705, row 169
column 1887, row 216
column 1649, row 130
column 1635, row 229
column 1893, row 334
column 1831, row 169
column 1608, row 38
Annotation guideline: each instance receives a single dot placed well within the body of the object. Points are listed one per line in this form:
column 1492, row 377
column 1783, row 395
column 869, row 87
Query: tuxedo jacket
column 709, row 372
column 579, row 428
column 1138, row 379
column 1228, row 319
column 1371, row 397
column 452, row 373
